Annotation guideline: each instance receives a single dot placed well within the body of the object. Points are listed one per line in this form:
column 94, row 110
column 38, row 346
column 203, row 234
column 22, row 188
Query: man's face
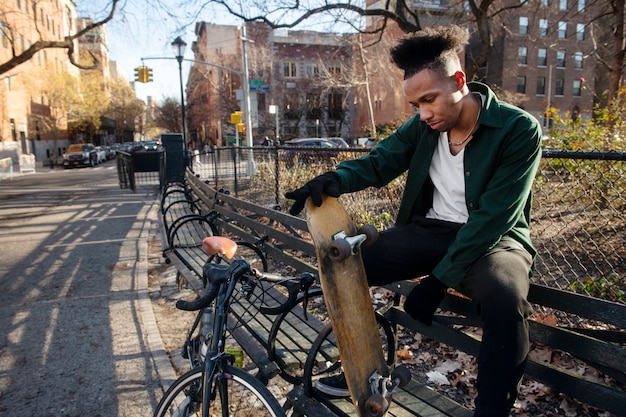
column 437, row 99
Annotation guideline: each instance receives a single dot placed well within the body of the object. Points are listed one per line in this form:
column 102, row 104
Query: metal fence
column 139, row 168
column 578, row 226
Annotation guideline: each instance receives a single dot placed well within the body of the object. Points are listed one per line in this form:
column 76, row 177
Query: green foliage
column 605, row 131
column 608, row 287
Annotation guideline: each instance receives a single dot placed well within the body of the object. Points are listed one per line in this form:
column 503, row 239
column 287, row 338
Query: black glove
column 327, row 183
column 424, row 299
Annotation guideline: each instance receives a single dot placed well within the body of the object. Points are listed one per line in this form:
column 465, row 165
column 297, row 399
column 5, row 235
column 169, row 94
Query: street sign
column 255, row 83
column 260, row 88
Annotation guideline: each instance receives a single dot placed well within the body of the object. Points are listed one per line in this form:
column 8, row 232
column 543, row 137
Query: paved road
column 77, row 329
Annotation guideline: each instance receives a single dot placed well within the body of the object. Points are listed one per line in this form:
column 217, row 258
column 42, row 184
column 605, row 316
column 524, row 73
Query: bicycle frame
column 215, row 356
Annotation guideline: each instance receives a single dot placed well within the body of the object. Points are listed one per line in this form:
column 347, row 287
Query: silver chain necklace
column 471, row 132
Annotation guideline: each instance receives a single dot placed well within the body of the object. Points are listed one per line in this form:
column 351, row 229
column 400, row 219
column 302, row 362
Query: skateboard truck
column 344, row 245
column 382, row 388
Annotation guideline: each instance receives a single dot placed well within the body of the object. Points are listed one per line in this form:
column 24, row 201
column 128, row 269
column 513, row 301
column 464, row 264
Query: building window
column 290, row 69
column 261, row 101
column 576, row 88
column 581, row 5
column 335, row 106
column 522, row 55
column 523, row 25
column 334, row 70
column 543, row 28
column 558, row 86
column 578, row 60
column 521, row 84
column 542, row 57
column 560, row 59
column 580, row 31
column 541, row 86
column 292, row 107
column 312, row 70
column 562, row 5
column 313, row 107
column 562, row 31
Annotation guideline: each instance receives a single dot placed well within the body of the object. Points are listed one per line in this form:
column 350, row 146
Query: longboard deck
column 348, row 301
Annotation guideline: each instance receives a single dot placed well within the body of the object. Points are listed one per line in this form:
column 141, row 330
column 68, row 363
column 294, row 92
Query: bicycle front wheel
column 234, row 393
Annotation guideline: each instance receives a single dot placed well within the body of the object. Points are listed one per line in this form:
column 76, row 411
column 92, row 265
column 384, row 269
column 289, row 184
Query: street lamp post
column 179, row 52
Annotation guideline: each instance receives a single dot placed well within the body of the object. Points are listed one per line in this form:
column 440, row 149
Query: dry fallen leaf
column 437, row 378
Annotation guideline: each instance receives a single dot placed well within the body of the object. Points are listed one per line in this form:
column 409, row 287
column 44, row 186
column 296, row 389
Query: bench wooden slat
column 593, row 393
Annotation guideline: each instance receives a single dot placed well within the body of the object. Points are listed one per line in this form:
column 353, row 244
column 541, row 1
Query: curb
column 160, row 358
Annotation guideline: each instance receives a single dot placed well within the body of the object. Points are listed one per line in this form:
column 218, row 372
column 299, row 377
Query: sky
column 146, row 29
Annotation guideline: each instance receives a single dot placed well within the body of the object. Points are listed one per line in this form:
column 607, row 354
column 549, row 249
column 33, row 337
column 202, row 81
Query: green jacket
column 500, row 163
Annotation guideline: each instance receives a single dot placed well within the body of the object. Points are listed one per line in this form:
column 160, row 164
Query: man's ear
column 459, row 77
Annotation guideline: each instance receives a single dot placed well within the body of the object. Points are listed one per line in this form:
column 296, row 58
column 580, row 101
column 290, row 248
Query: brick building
column 543, row 53
column 22, row 95
column 31, row 119
column 326, row 84
column 303, row 73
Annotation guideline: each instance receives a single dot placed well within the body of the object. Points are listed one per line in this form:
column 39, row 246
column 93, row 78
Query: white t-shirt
column 446, row 172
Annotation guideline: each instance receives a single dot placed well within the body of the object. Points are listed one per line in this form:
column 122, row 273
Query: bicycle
column 231, row 390
column 256, row 289
column 227, row 278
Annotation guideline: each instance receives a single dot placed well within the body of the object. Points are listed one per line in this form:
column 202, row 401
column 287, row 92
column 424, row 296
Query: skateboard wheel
column 401, row 373
column 370, row 232
column 376, row 405
column 339, row 250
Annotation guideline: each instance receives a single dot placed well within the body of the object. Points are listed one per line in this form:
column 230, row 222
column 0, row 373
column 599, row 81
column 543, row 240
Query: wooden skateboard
column 346, row 293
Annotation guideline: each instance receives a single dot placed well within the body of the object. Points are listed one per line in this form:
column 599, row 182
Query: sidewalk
column 79, row 334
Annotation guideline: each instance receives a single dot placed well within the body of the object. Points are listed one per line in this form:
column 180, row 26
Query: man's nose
column 425, row 114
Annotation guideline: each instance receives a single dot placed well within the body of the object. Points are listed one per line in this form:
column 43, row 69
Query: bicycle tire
column 246, row 395
column 318, row 364
column 295, row 318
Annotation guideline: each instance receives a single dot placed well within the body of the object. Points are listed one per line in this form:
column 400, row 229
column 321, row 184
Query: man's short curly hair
column 436, row 48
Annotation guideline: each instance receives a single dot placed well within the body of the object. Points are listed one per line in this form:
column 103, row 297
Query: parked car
column 151, row 145
column 80, row 154
column 110, row 152
column 102, row 155
column 308, row 151
column 339, row 142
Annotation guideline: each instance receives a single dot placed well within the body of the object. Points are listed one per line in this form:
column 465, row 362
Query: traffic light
column 143, row 74
column 241, row 127
column 236, row 117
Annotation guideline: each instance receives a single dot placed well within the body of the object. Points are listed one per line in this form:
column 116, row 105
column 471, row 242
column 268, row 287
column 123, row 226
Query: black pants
column 498, row 284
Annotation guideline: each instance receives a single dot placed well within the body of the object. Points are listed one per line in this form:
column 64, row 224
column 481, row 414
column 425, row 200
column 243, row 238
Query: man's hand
column 327, row 183
column 424, row 299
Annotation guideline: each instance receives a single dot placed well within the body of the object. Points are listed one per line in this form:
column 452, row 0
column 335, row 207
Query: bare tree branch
column 67, row 43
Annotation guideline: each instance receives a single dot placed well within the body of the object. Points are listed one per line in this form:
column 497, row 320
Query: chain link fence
column 579, row 201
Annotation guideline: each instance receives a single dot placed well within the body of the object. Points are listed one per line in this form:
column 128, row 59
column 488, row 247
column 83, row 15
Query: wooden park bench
column 282, row 349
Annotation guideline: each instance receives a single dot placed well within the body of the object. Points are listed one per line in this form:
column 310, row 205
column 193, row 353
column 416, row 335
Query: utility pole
column 246, row 87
